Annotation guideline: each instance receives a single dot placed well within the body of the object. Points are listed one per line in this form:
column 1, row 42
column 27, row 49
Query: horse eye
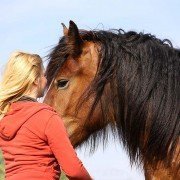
column 62, row 84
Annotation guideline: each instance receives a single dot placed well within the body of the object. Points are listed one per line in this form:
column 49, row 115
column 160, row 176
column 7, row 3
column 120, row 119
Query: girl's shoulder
column 41, row 114
column 41, row 109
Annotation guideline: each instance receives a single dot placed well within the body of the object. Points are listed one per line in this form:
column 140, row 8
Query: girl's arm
column 63, row 150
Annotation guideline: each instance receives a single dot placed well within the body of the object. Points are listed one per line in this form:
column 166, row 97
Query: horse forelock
column 140, row 73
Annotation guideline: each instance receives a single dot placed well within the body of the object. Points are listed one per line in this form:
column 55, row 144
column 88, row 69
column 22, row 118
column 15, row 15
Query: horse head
column 74, row 66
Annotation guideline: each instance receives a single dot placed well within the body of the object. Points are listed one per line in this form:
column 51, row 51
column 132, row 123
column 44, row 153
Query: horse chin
column 76, row 131
column 70, row 124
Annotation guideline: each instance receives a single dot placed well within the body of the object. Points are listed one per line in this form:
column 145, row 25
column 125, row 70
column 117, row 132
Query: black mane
column 143, row 73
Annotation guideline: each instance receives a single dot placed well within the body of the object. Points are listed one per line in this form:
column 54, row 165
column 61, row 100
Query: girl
column 33, row 139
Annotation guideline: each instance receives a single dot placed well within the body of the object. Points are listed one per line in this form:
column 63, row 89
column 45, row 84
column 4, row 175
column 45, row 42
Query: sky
column 35, row 26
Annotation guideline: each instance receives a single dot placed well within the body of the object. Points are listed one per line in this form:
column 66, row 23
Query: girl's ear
column 36, row 82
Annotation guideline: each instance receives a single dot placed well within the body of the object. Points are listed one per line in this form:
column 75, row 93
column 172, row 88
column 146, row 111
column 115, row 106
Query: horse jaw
column 70, row 124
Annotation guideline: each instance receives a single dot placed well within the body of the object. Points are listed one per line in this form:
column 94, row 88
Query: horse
column 124, row 82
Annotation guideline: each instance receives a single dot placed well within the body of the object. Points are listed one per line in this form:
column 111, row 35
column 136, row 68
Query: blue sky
column 35, row 26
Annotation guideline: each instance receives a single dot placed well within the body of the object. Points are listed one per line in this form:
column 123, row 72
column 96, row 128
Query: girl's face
column 42, row 84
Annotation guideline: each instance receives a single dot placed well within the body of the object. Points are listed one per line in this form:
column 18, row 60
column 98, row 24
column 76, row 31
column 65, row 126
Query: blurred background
column 35, row 26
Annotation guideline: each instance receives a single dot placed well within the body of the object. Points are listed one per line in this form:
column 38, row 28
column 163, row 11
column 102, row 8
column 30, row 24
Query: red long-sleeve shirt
column 35, row 144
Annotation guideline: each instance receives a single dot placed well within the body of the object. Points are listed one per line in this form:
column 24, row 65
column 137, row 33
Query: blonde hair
column 21, row 71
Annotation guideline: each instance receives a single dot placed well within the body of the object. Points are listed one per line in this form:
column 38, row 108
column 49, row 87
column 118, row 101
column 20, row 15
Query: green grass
column 63, row 176
column 1, row 167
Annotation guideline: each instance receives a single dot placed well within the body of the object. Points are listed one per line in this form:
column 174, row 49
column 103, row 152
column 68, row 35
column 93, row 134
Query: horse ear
column 65, row 29
column 73, row 30
column 73, row 39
